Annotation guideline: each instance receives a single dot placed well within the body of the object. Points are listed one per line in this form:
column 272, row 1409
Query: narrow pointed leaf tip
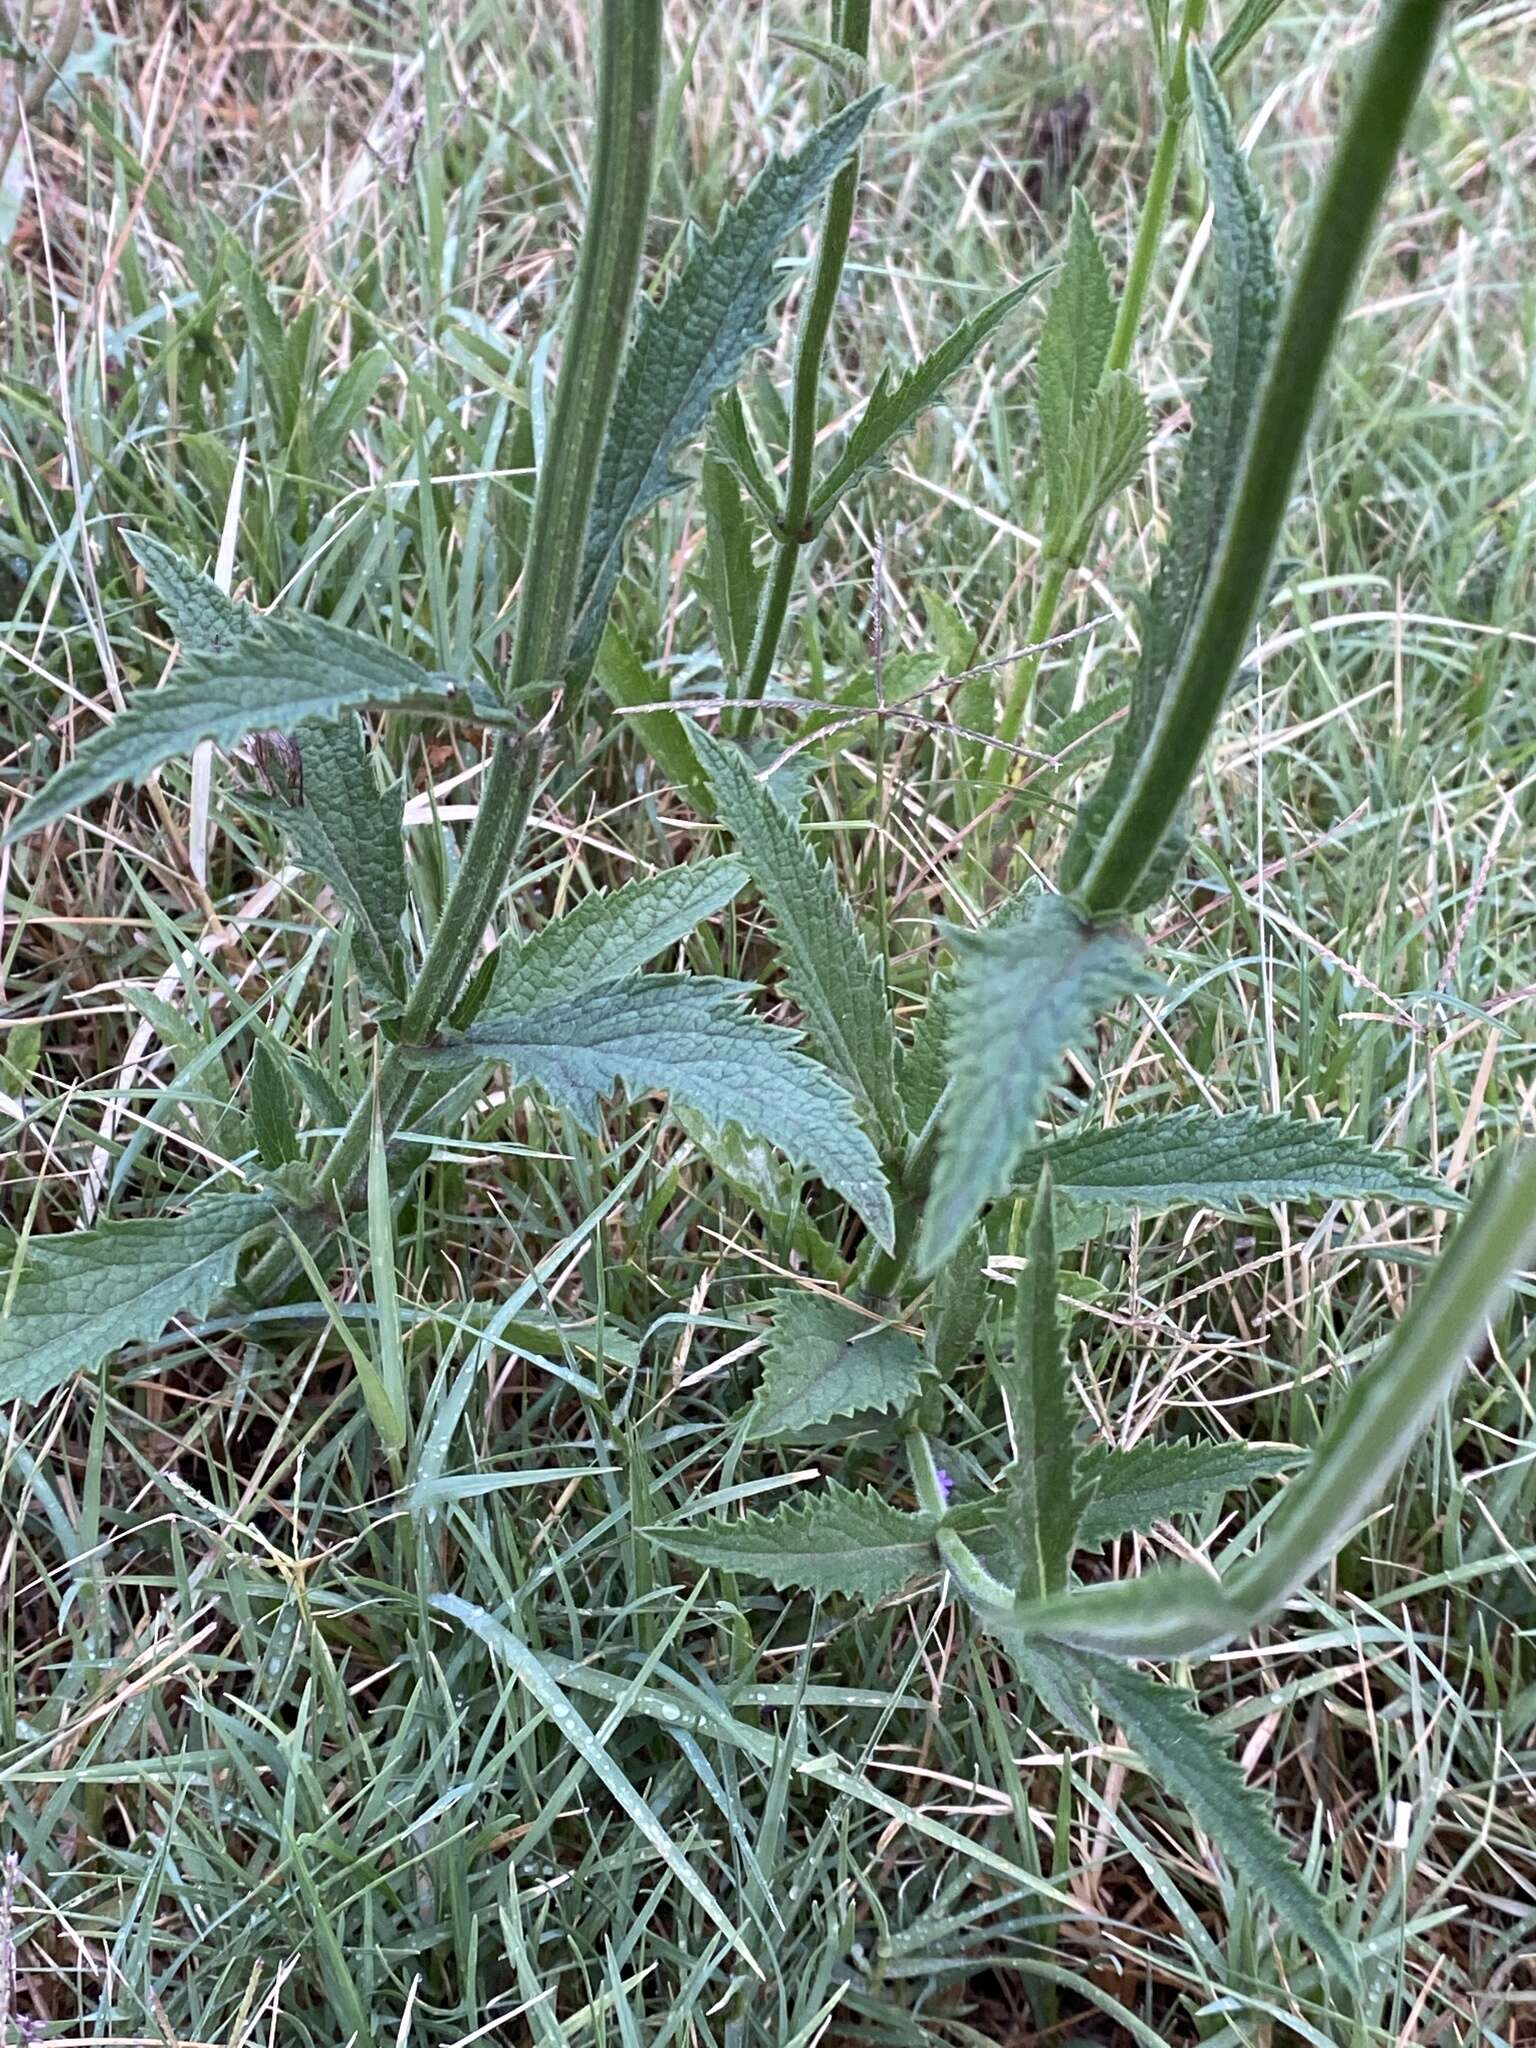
column 1183, row 1752
column 832, row 974
column 1024, row 994
column 894, row 408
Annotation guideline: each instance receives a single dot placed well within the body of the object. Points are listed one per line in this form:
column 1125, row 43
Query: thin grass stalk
column 850, row 30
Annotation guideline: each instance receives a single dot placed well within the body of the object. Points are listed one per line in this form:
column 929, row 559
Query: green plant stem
column 607, row 274
column 1341, row 231
column 1394, row 1401
column 1022, row 688
column 850, row 29
column 1159, row 195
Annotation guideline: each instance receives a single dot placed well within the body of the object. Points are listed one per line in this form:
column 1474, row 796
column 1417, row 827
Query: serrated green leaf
column 291, row 670
column 1152, row 1482
column 689, row 348
column 758, row 1173
column 1102, row 457
column 83, row 1296
column 350, row 833
column 202, row 617
column 954, row 1315
column 1074, row 347
column 1232, row 1163
column 611, row 934
column 1024, row 993
column 823, row 1361
column 1041, row 1492
column 732, row 583
column 894, row 408
column 836, row 1542
column 686, row 1035
column 829, row 970
column 1185, row 1756
column 1242, row 329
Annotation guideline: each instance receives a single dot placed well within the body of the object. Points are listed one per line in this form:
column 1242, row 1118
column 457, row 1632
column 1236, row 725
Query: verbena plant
column 933, row 1140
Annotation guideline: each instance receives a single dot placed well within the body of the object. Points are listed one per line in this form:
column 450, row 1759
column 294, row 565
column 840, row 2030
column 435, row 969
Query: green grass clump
column 388, row 1655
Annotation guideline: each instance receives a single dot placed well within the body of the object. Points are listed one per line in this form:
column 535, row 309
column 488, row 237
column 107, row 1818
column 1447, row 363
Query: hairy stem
column 850, row 28
column 1341, row 232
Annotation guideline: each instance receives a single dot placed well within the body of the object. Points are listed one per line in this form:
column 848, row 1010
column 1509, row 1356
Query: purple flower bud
column 946, row 1484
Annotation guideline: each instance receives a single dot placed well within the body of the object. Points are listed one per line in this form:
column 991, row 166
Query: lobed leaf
column 685, row 1035
column 82, row 1296
column 836, row 1542
column 892, row 409
column 1153, row 1482
column 292, row 669
column 1023, row 993
column 1185, row 1756
column 689, row 348
column 830, row 972
column 611, row 934
column 824, row 1361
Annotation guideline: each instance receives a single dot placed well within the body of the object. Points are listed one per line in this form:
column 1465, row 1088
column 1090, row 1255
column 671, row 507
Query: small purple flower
column 946, row 1484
